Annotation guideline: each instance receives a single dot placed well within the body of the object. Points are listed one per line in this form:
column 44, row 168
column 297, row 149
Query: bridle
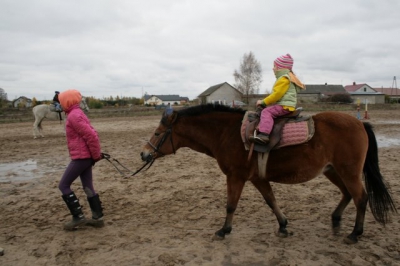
column 150, row 159
column 156, row 149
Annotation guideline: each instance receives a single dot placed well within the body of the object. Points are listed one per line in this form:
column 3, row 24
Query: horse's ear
column 170, row 116
column 174, row 116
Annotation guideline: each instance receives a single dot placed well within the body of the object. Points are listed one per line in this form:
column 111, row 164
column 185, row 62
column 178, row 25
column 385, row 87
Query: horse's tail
column 380, row 200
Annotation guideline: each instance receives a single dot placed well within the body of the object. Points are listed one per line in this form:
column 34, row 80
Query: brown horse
column 342, row 148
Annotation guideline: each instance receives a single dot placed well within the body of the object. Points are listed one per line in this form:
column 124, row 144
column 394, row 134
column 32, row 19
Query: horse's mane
column 209, row 108
column 204, row 109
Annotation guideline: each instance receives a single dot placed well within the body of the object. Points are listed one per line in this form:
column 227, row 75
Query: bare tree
column 34, row 102
column 249, row 77
column 3, row 97
column 3, row 94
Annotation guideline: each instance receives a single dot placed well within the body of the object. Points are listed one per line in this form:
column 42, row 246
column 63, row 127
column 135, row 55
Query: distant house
column 162, row 99
column 184, row 100
column 363, row 93
column 22, row 102
column 392, row 93
column 359, row 88
column 316, row 92
column 222, row 93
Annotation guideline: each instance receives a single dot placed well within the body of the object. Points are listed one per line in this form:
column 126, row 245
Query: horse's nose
column 144, row 156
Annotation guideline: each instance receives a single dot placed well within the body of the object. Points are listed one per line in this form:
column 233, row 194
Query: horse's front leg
column 235, row 187
column 265, row 189
column 37, row 131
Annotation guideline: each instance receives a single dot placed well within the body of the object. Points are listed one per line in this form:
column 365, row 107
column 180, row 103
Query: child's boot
column 97, row 211
column 76, row 210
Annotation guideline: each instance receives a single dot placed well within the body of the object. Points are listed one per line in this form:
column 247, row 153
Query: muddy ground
column 168, row 215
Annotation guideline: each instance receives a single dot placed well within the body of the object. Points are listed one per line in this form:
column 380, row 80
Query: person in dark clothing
column 56, row 102
column 169, row 109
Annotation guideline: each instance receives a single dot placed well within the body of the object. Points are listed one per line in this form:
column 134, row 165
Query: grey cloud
column 183, row 47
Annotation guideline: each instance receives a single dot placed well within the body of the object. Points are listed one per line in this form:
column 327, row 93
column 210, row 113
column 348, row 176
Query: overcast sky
column 130, row 47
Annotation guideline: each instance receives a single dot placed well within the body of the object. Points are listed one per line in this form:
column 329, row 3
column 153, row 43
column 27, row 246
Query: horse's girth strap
column 251, row 149
column 262, row 164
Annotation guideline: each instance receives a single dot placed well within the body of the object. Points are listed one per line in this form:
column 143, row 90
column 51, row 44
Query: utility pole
column 394, row 86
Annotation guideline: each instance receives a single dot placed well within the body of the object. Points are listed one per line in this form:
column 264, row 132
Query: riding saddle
column 290, row 129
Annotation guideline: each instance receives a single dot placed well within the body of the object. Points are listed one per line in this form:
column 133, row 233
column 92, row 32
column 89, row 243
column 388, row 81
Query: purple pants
column 267, row 117
column 82, row 168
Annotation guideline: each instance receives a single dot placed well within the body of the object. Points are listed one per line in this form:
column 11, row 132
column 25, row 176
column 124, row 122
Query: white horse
column 48, row 111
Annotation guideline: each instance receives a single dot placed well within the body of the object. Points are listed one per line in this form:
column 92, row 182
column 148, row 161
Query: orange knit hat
column 69, row 97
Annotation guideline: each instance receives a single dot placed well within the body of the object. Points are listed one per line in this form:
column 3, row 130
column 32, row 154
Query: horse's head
column 83, row 105
column 160, row 142
column 195, row 127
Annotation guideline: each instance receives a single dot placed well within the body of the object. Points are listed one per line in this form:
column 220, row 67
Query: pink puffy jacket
column 83, row 141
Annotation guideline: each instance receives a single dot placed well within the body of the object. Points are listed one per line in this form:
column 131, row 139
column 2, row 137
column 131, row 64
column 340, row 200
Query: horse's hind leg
column 360, row 199
column 355, row 189
column 266, row 191
column 235, row 187
column 346, row 197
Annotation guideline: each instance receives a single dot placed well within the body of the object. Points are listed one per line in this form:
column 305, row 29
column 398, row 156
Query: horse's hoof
column 283, row 233
column 350, row 239
column 219, row 235
column 336, row 231
column 218, row 238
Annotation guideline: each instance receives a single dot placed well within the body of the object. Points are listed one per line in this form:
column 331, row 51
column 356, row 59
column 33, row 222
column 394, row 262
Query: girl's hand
column 97, row 159
column 261, row 103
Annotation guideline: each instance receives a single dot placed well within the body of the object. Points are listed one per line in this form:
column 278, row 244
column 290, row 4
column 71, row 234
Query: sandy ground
column 168, row 215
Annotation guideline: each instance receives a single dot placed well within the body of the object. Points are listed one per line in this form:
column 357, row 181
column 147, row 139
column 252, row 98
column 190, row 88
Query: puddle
column 388, row 122
column 18, row 171
column 384, row 142
column 28, row 170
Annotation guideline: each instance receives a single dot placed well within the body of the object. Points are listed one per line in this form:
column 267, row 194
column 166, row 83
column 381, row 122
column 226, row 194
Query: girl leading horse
column 342, row 148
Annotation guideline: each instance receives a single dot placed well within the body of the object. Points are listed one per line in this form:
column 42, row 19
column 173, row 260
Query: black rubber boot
column 97, row 211
column 76, row 210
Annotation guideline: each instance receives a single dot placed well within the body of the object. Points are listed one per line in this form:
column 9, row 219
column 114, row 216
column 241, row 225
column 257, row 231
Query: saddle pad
column 296, row 133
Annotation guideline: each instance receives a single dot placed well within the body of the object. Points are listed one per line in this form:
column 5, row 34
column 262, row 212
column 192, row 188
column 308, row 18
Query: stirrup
column 256, row 139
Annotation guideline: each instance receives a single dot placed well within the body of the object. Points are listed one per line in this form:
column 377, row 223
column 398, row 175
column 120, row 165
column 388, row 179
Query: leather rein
column 150, row 160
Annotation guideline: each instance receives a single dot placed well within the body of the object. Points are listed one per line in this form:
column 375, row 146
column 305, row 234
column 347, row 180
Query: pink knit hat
column 284, row 61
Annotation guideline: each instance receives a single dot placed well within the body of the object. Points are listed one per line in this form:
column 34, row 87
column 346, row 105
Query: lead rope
column 117, row 163
column 156, row 149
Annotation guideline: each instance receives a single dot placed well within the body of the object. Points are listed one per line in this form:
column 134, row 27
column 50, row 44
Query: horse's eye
column 156, row 134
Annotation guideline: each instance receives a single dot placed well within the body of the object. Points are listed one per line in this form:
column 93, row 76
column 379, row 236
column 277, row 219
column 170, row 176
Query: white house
column 364, row 94
column 222, row 93
column 22, row 102
column 162, row 99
